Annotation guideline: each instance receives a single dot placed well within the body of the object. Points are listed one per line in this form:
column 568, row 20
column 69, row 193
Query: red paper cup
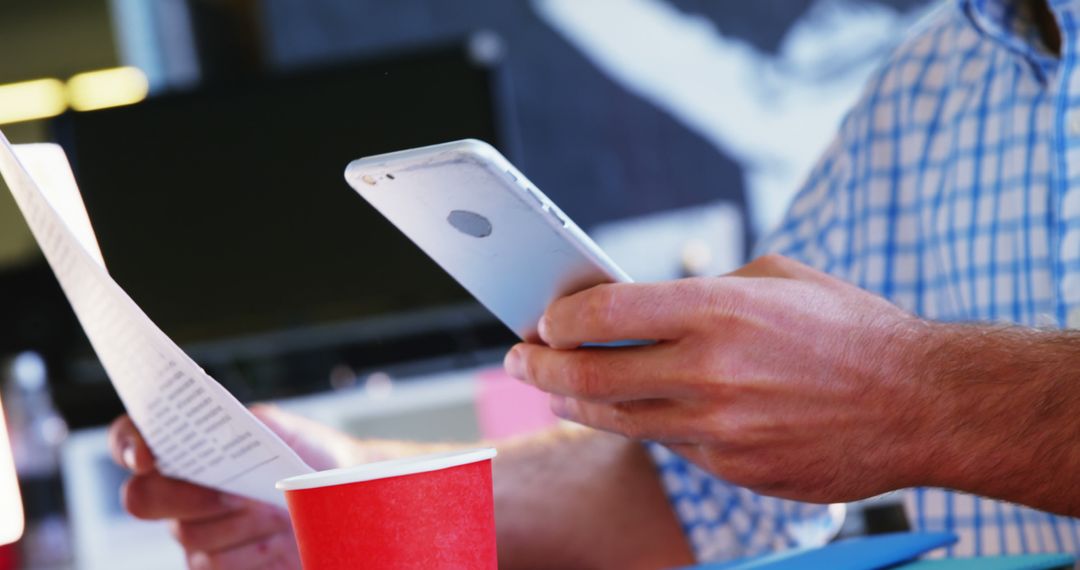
column 427, row 511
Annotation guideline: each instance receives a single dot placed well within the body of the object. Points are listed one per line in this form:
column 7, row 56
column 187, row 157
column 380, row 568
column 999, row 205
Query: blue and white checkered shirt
column 953, row 189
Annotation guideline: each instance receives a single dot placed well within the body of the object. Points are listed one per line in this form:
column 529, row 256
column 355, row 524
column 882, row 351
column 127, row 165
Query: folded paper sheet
column 196, row 429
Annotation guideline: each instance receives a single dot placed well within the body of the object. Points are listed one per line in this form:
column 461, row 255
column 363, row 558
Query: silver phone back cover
column 486, row 225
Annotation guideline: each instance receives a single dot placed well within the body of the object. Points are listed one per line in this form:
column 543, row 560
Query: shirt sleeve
column 813, row 230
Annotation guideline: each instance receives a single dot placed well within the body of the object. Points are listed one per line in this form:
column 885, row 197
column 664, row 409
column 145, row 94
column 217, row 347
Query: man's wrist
column 918, row 350
column 998, row 412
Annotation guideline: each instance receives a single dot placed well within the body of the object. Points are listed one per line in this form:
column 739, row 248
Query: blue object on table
column 1022, row 562
column 862, row 553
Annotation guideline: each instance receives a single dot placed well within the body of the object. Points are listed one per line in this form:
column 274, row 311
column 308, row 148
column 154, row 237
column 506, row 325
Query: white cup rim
column 385, row 469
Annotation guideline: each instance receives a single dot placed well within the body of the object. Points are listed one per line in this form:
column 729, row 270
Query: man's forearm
column 579, row 498
column 1007, row 414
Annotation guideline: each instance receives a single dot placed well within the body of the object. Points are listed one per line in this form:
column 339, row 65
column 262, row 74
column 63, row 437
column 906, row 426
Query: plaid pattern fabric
column 953, row 189
column 723, row 521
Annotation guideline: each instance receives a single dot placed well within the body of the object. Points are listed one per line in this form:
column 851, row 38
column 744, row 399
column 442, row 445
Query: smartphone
column 486, row 225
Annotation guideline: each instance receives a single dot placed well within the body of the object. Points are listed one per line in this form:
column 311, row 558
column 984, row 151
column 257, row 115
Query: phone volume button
column 536, row 197
column 557, row 215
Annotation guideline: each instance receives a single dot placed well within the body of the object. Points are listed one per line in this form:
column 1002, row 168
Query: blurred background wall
column 639, row 105
column 29, row 31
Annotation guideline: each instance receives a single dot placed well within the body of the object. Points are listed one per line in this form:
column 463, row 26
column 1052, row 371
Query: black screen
column 224, row 211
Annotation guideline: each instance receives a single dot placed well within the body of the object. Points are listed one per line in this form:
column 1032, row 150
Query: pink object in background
column 506, row 407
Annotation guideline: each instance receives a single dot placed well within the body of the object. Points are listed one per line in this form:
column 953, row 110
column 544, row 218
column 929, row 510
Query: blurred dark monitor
column 224, row 212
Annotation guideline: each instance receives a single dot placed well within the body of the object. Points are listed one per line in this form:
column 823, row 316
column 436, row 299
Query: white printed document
column 197, row 430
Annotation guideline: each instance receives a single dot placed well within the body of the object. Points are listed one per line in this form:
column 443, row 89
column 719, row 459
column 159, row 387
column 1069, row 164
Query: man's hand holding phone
column 756, row 376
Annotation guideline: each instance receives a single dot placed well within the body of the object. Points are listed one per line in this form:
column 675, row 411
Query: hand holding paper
column 196, row 429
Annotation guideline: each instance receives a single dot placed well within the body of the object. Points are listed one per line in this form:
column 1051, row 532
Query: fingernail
column 232, row 502
column 542, row 329
column 199, row 561
column 559, row 406
column 128, row 454
column 513, row 364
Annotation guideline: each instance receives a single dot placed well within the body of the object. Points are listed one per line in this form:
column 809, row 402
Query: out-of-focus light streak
column 30, row 100
column 107, row 88
column 44, row 98
column 11, row 511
